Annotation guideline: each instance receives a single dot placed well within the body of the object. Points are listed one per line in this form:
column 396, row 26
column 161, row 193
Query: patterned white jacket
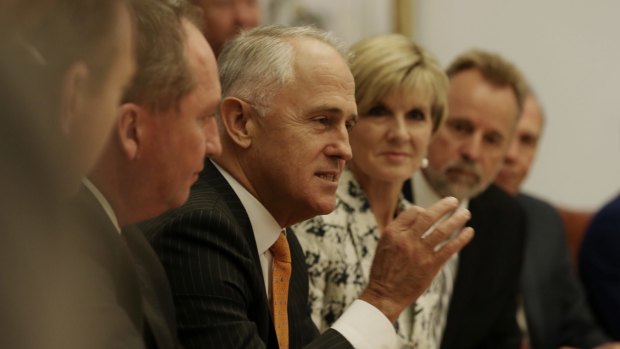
column 339, row 249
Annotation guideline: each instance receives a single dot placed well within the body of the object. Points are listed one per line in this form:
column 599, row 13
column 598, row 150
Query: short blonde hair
column 384, row 63
column 494, row 69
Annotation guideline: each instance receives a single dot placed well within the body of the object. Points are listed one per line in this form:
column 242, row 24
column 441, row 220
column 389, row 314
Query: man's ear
column 73, row 91
column 128, row 128
column 238, row 119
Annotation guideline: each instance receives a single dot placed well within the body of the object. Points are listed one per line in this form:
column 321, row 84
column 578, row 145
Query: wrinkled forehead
column 314, row 59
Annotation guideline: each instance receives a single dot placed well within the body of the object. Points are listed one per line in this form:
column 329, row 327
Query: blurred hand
column 405, row 263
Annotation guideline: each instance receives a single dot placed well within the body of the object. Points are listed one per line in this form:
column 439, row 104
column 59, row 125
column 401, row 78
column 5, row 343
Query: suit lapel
column 210, row 181
column 211, row 177
column 104, row 244
column 156, row 296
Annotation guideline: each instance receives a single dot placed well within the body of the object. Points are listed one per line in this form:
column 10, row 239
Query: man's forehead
column 484, row 123
column 532, row 115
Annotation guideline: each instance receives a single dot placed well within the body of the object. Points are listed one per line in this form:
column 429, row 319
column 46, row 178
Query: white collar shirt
column 363, row 325
column 103, row 202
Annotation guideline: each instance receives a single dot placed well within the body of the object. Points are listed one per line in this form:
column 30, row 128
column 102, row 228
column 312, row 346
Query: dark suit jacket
column 157, row 305
column 555, row 305
column 482, row 311
column 599, row 263
column 138, row 280
column 208, row 249
column 113, row 291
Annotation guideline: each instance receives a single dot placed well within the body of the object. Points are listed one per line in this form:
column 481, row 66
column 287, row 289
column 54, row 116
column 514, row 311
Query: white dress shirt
column 103, row 202
column 424, row 196
column 363, row 325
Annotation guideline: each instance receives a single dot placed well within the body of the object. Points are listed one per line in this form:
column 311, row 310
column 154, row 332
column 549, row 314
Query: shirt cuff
column 364, row 326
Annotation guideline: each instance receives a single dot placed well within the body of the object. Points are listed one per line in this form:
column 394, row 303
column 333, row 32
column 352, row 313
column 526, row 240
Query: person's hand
column 610, row 345
column 405, row 263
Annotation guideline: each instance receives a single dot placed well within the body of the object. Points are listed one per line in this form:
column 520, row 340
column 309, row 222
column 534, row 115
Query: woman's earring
column 424, row 163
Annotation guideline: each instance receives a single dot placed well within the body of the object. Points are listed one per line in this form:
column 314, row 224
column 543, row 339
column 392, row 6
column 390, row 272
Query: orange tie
column 280, row 276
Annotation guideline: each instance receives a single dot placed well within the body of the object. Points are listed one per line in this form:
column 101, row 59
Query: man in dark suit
column 599, row 261
column 556, row 311
column 62, row 63
column 166, row 127
column 484, row 102
column 288, row 99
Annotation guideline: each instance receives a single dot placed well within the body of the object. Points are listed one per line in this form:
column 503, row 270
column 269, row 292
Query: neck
column 229, row 163
column 239, row 170
column 110, row 176
column 382, row 196
column 106, row 182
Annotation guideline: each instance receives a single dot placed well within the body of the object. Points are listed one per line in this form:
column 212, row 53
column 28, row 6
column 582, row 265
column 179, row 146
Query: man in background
column 484, row 102
column 166, row 127
column 556, row 311
column 224, row 19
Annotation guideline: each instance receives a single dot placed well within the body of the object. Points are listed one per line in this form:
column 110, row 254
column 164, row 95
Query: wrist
column 376, row 298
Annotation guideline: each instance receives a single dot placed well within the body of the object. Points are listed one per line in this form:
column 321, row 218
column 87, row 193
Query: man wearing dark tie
column 555, row 311
column 484, row 102
column 166, row 127
column 237, row 275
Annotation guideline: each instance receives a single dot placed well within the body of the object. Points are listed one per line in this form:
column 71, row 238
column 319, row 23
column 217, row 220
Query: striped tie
column 280, row 277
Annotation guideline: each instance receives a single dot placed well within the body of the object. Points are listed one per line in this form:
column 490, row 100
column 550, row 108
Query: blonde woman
column 401, row 100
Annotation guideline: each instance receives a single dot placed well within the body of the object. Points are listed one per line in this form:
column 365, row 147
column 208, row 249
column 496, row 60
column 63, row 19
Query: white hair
column 258, row 62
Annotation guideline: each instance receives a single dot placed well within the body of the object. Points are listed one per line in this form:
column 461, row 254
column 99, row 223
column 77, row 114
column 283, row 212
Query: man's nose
column 340, row 147
column 472, row 148
column 513, row 152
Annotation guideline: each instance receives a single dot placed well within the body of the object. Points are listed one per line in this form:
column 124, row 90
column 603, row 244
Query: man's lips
column 331, row 176
column 196, row 174
column 461, row 172
column 506, row 174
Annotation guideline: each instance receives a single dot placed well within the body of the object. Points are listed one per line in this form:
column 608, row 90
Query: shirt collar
column 103, row 202
column 266, row 229
column 425, row 196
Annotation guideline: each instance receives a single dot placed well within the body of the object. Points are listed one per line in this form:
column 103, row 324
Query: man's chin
column 323, row 207
column 461, row 191
column 179, row 200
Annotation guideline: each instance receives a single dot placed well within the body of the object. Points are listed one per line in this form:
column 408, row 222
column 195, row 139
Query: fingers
column 446, row 226
column 454, row 245
column 420, row 219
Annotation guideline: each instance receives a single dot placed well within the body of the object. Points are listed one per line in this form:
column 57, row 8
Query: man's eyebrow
column 326, row 109
column 332, row 110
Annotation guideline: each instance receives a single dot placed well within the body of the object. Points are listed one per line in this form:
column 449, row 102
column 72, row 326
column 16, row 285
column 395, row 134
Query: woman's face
column 390, row 139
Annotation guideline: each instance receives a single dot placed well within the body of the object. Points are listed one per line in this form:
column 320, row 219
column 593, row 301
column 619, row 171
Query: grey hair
column 258, row 62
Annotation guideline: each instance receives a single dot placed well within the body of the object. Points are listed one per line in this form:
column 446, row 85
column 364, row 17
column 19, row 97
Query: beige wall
column 570, row 51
